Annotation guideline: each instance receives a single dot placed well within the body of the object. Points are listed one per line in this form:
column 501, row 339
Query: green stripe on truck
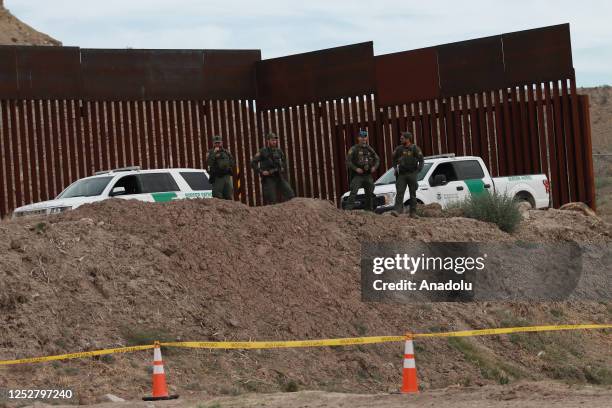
column 163, row 197
column 476, row 186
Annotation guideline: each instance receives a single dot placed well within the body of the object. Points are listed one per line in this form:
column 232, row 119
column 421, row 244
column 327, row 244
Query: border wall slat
column 301, row 120
column 145, row 136
column 49, row 164
column 330, row 163
column 582, row 155
column 560, row 152
column 26, row 164
column 508, row 139
column 32, row 139
column 472, row 127
column 56, row 148
column 67, row 158
column 584, row 116
column 484, row 140
column 96, row 159
column 120, row 138
column 129, row 139
column 295, row 156
column 568, row 139
column 516, row 146
column 321, row 150
column 525, row 154
column 5, row 188
column 14, row 153
column 534, row 164
column 541, row 124
column 253, row 129
column 552, row 145
column 491, row 134
column 502, row 163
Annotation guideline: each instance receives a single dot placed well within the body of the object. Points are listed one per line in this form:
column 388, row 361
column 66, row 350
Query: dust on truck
column 447, row 179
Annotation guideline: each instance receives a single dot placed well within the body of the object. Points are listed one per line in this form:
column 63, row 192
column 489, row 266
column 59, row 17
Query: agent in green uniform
column 361, row 161
column 220, row 168
column 408, row 162
column 271, row 165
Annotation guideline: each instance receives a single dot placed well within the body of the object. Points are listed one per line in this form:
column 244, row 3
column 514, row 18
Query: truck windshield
column 389, row 177
column 86, row 187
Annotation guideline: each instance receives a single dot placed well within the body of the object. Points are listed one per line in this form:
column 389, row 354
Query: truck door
column 452, row 191
column 473, row 176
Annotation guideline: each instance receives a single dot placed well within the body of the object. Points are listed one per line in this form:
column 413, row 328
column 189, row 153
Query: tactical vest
column 272, row 159
column 364, row 157
column 223, row 162
column 408, row 160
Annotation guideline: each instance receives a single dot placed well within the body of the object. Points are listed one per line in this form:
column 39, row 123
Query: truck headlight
column 389, row 198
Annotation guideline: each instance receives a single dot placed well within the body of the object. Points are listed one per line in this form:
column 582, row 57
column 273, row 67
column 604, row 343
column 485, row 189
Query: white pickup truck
column 446, row 179
column 127, row 183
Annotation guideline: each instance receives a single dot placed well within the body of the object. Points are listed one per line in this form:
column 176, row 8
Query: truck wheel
column 524, row 196
column 419, row 202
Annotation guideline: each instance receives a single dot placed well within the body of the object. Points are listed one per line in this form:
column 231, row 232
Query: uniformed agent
column 361, row 161
column 408, row 162
column 220, row 168
column 271, row 165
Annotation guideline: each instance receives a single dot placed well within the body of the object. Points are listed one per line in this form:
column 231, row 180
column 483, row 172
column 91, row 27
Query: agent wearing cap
column 220, row 168
column 270, row 163
column 408, row 162
column 361, row 161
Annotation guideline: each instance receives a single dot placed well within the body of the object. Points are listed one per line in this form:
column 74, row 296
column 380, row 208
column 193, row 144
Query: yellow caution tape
column 284, row 344
column 77, row 355
column 508, row 330
column 309, row 343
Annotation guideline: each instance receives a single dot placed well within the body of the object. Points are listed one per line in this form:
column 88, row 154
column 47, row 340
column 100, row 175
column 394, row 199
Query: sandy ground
column 524, row 395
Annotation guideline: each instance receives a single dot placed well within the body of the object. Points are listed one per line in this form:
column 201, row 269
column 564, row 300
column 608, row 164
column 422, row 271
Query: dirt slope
column 15, row 32
column 120, row 273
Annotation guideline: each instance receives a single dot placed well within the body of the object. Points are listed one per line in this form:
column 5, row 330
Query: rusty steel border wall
column 511, row 99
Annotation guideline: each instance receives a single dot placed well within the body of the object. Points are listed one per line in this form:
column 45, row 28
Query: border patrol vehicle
column 156, row 185
column 446, row 179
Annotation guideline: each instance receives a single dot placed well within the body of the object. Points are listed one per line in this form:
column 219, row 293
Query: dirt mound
column 124, row 272
column 15, row 32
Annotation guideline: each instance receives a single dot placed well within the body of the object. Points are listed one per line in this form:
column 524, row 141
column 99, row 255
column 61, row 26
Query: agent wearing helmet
column 271, row 165
column 408, row 162
column 361, row 161
column 220, row 168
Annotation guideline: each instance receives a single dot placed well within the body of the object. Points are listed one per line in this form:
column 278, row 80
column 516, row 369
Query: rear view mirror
column 117, row 191
column 439, row 180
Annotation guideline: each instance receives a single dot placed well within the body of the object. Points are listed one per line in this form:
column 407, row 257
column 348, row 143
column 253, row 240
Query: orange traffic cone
column 409, row 375
column 160, row 389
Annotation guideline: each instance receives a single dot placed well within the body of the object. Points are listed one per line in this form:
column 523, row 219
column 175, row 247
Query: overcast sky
column 288, row 27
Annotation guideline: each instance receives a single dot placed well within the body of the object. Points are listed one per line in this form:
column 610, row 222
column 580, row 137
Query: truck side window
column 444, row 168
column 196, row 180
column 130, row 183
column 468, row 169
column 157, row 182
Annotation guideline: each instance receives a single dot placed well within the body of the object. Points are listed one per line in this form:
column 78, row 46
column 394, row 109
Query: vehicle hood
column 72, row 202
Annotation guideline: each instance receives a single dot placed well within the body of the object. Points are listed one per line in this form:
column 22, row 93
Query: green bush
column 499, row 209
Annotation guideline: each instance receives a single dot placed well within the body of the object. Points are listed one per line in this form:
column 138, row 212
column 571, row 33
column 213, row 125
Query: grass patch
column 490, row 367
column 500, row 209
column 290, row 386
column 135, row 336
column 361, row 328
column 139, row 337
column 598, row 375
